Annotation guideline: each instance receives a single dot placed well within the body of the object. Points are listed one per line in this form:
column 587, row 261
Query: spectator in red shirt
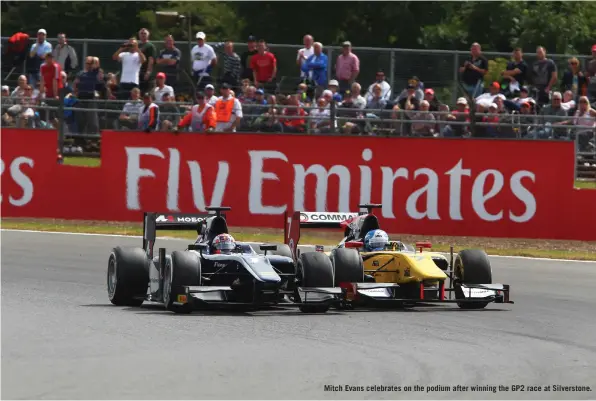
column 298, row 123
column 51, row 78
column 264, row 67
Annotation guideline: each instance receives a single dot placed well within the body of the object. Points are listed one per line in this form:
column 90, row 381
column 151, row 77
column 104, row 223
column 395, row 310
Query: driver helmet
column 376, row 240
column 224, row 243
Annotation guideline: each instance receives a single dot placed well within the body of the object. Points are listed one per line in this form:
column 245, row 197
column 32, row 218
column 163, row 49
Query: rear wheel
column 348, row 266
column 316, row 271
column 472, row 266
column 182, row 269
column 282, row 250
column 127, row 278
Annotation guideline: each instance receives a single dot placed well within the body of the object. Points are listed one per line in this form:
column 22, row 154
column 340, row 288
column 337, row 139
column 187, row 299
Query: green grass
column 574, row 250
column 96, row 162
column 82, row 161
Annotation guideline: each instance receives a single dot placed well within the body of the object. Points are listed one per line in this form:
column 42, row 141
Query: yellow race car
column 399, row 274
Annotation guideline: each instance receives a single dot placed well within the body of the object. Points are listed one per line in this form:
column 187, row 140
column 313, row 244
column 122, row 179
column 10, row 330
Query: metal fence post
column 455, row 78
column 85, row 52
column 392, row 76
column 329, row 64
column 332, row 110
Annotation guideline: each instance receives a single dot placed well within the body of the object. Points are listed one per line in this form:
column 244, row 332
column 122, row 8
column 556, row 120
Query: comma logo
column 303, row 217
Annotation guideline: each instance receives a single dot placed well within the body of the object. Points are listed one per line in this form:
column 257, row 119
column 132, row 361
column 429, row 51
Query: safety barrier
column 431, row 186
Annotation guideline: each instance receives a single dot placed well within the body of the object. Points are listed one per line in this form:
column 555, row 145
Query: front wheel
column 472, row 266
column 127, row 276
column 316, row 271
column 182, row 269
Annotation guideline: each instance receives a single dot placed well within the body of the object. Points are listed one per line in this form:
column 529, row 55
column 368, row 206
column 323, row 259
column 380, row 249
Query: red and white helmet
column 224, row 243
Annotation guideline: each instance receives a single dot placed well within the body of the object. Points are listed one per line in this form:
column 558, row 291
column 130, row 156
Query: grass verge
column 553, row 249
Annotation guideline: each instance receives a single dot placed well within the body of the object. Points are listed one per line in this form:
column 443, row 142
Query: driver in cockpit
column 223, row 243
column 376, row 240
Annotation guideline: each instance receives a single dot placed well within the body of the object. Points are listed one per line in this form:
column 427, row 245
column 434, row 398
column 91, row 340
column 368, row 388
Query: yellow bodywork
column 402, row 267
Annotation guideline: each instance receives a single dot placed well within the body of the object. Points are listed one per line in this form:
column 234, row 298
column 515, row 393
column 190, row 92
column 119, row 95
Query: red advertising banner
column 432, row 186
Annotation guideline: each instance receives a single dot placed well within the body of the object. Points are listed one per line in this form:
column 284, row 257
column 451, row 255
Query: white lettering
column 257, row 177
column 1, row 172
column 21, row 180
column 455, row 175
column 524, row 195
column 432, row 194
column 173, row 179
column 365, row 178
column 479, row 198
column 322, row 182
column 134, row 173
column 196, row 178
column 389, row 178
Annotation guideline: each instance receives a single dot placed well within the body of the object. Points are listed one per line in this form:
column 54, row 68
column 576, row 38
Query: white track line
column 181, row 239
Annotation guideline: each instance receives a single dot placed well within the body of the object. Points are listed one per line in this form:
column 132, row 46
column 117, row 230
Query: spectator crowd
column 530, row 100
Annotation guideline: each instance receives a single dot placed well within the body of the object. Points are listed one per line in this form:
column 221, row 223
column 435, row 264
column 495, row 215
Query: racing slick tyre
column 316, row 271
column 347, row 266
column 182, row 269
column 128, row 277
column 472, row 266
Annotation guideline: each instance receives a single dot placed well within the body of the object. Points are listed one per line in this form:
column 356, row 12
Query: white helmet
column 224, row 243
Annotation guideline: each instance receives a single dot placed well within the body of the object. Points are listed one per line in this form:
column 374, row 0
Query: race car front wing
column 219, row 295
column 465, row 293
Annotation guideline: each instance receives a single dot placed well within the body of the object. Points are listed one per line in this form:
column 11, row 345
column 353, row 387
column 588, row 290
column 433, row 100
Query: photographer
column 132, row 59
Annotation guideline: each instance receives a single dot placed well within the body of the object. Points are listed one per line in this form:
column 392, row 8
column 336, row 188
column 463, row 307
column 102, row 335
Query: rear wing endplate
column 152, row 222
column 296, row 220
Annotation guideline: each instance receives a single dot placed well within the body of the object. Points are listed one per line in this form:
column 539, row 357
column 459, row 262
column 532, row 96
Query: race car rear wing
column 152, row 222
column 294, row 221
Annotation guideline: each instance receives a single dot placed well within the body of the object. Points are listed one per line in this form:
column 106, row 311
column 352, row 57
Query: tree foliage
column 562, row 27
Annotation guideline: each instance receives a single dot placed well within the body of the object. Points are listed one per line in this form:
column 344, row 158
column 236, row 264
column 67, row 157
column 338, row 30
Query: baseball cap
column 147, row 95
column 594, row 48
column 429, row 91
column 201, row 35
column 495, row 85
column 225, row 86
column 252, row 38
column 5, row 87
column 462, row 100
column 209, row 87
column 333, row 82
column 260, row 92
column 493, row 106
column 42, row 31
column 160, row 75
column 327, row 92
column 524, row 89
column 347, row 43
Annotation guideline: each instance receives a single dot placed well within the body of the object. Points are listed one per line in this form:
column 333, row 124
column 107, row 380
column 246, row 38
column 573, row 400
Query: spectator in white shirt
column 210, row 95
column 19, row 91
column 65, row 55
column 161, row 87
column 131, row 59
column 129, row 117
column 385, row 87
column 568, row 101
column 320, row 120
column 486, row 99
column 357, row 99
column 303, row 55
column 203, row 60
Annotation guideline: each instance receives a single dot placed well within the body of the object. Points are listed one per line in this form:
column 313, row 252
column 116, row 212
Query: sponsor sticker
column 182, row 299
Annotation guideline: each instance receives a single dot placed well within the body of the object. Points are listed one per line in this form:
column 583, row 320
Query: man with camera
column 132, row 59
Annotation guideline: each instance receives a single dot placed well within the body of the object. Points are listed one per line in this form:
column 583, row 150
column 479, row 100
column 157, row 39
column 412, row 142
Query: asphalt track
column 62, row 339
